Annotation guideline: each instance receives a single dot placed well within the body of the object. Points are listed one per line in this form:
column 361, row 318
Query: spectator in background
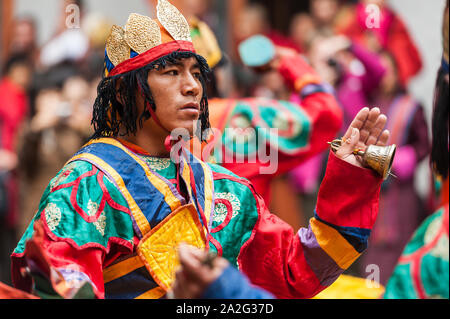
column 253, row 20
column 300, row 29
column 324, row 13
column 24, row 38
column 391, row 35
column 351, row 69
column 61, row 126
column 13, row 110
column 401, row 208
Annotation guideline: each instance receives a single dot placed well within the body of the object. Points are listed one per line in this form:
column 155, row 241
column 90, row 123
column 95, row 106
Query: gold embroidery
column 62, row 176
column 52, row 216
column 440, row 250
column 117, row 48
column 173, row 21
column 220, row 210
column 100, row 223
column 142, row 33
column 156, row 163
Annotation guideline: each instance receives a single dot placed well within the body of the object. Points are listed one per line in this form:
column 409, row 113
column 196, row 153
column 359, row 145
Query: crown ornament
column 143, row 40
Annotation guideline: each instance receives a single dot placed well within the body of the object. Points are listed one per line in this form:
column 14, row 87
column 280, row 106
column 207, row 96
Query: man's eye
column 172, row 72
column 197, row 75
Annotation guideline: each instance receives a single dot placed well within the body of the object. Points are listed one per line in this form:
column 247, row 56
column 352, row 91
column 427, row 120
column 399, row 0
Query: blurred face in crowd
column 379, row 3
column 319, row 59
column 274, row 82
column 251, row 21
column 23, row 36
column 20, row 74
column 390, row 80
column 75, row 89
column 324, row 11
column 177, row 93
column 195, row 7
column 302, row 25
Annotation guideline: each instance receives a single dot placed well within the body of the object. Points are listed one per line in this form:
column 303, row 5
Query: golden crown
column 141, row 34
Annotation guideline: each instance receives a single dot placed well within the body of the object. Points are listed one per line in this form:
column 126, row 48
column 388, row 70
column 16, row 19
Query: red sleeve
column 320, row 105
column 291, row 265
column 63, row 265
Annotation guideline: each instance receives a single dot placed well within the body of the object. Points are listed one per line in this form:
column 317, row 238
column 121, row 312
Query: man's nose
column 191, row 85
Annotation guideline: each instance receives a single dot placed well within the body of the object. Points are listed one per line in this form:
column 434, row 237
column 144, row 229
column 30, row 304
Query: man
column 13, row 111
column 110, row 222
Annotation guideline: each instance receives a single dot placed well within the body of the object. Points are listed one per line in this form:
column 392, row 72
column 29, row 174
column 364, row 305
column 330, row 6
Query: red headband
column 151, row 55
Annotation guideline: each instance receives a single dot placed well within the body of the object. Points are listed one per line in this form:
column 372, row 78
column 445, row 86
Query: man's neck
column 150, row 140
column 149, row 145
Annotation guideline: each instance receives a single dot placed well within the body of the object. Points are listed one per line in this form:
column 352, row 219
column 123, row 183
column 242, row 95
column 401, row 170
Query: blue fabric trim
column 357, row 237
column 199, row 174
column 316, row 88
column 232, row 284
column 133, row 53
column 149, row 199
column 445, row 66
column 131, row 285
column 108, row 63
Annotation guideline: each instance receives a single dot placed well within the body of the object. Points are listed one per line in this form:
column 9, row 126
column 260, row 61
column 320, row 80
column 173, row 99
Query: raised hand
column 367, row 128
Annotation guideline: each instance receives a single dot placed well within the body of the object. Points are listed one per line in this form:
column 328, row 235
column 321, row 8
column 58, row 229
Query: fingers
column 358, row 121
column 383, row 139
column 185, row 288
column 190, row 259
column 368, row 125
column 376, row 130
column 349, row 144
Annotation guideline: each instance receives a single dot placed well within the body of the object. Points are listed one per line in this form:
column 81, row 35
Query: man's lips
column 192, row 105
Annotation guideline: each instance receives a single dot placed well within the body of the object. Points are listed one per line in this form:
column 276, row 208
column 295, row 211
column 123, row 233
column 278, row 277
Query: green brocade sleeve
column 84, row 208
column 86, row 221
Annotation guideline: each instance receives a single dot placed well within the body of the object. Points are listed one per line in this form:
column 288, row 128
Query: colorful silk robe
column 92, row 224
column 422, row 271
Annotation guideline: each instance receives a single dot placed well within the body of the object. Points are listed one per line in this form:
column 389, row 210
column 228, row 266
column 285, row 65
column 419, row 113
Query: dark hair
column 16, row 59
column 110, row 115
column 440, row 130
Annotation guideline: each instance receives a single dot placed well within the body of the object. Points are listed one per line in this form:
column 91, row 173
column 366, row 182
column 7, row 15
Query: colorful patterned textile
column 90, row 229
column 423, row 269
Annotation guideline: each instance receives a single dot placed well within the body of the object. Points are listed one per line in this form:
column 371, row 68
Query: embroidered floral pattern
column 220, row 210
column 440, row 250
column 62, row 176
column 100, row 223
column 52, row 216
column 157, row 163
column 282, row 122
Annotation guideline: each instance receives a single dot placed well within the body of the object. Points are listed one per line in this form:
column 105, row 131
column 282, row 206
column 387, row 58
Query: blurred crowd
column 47, row 93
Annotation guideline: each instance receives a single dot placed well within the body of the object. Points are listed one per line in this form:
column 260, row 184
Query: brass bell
column 378, row 158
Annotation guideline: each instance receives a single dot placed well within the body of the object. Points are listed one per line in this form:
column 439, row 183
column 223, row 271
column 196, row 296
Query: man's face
column 177, row 92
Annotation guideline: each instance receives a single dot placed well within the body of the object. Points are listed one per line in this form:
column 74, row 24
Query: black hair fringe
column 110, row 116
column 440, row 127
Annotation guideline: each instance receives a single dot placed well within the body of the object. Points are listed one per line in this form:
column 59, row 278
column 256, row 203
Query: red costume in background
column 392, row 35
